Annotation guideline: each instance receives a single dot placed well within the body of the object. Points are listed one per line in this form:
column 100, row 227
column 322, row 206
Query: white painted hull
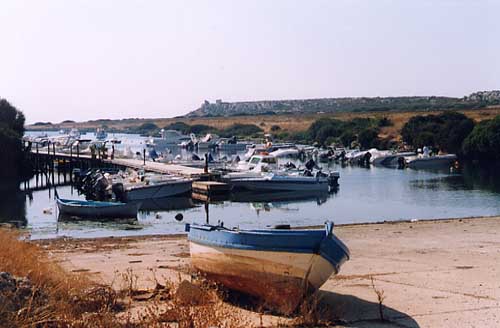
column 160, row 190
column 281, row 279
column 432, row 162
column 269, row 185
column 285, row 153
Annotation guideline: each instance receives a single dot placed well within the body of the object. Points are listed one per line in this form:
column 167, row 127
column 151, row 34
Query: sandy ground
column 442, row 273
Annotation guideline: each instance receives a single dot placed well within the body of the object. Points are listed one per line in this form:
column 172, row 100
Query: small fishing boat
column 279, row 266
column 95, row 209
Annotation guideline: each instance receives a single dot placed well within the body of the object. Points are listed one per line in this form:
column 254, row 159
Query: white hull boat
column 431, row 162
column 161, row 189
column 270, row 182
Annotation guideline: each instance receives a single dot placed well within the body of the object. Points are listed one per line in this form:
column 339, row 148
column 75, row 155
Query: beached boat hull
column 91, row 209
column 160, row 190
column 280, row 267
column 280, row 279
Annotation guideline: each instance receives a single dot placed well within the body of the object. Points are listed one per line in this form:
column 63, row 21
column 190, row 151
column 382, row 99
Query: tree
column 11, row 133
column 368, row 138
column 11, row 118
column 446, row 131
column 484, row 140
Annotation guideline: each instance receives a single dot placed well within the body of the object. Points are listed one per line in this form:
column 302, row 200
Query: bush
column 484, row 140
column 385, row 121
column 368, row 138
column 326, row 130
column 275, row 128
column 179, row 126
column 446, row 131
column 243, row 130
column 11, row 132
column 148, row 127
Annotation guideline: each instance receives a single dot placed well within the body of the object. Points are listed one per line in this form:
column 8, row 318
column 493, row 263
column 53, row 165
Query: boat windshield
column 255, row 160
column 269, row 160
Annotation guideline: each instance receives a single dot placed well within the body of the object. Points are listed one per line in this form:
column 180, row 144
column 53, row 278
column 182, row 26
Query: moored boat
column 279, row 266
column 431, row 162
column 96, row 209
column 282, row 181
column 145, row 190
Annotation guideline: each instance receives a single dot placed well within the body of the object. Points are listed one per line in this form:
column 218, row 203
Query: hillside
column 340, row 105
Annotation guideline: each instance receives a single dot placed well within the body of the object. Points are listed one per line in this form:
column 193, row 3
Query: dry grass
column 62, row 299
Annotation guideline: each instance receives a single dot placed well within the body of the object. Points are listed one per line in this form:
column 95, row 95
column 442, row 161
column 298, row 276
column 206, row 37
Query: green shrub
column 484, row 140
column 446, row 131
column 243, row 130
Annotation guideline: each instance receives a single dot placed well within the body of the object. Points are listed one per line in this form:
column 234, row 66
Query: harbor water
column 364, row 195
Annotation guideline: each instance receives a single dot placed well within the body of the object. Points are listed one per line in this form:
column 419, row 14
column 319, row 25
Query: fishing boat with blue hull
column 279, row 266
column 95, row 209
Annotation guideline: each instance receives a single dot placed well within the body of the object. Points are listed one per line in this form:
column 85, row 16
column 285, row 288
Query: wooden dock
column 164, row 168
column 210, row 187
column 83, row 160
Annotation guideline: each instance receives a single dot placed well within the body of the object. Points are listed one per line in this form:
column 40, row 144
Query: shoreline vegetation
column 471, row 134
column 14, row 166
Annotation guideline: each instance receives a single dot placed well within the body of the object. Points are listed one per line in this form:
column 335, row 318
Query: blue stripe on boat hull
column 294, row 241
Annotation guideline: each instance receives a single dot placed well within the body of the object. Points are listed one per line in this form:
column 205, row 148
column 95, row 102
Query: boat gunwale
column 91, row 204
column 269, row 233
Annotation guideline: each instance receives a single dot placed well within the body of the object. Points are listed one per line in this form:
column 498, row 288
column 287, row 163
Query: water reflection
column 13, row 204
column 279, row 197
column 483, row 176
column 167, row 204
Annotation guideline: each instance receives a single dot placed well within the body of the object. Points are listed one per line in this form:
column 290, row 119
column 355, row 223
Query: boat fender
column 329, row 228
column 187, row 227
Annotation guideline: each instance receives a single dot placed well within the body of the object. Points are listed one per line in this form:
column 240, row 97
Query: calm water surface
column 364, row 195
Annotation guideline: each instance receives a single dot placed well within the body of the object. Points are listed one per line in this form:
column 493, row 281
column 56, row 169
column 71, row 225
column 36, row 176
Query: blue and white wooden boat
column 95, row 209
column 279, row 266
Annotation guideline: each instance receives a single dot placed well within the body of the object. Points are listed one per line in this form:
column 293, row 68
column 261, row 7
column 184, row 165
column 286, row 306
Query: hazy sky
column 114, row 59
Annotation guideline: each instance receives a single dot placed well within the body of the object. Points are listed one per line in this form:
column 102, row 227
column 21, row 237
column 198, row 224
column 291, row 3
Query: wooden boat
column 95, row 209
column 279, row 266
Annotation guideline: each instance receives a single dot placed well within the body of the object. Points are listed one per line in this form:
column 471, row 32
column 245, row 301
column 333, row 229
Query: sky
column 82, row 60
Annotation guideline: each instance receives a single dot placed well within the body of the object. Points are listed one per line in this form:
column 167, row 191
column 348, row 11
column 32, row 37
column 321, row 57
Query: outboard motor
column 119, row 192
column 320, row 174
column 310, row 164
column 307, row 173
column 290, row 165
column 153, row 154
column 401, row 162
column 100, row 186
column 333, row 179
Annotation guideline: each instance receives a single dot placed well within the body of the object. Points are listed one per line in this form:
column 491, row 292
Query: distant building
column 218, row 101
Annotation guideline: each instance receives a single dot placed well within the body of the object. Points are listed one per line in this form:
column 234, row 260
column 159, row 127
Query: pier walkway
column 186, row 171
column 164, row 168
